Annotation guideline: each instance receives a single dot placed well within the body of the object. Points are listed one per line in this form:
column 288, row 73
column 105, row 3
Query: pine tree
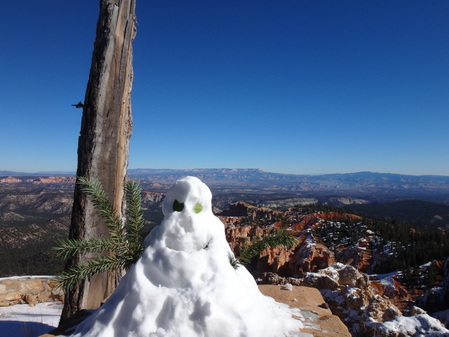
column 122, row 247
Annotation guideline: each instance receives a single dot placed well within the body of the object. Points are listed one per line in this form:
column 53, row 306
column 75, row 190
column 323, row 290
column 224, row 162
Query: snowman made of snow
column 184, row 285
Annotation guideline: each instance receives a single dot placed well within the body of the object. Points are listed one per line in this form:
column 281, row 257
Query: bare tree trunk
column 103, row 145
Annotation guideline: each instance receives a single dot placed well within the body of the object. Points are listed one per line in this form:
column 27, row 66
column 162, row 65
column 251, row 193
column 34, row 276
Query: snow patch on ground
column 22, row 320
column 28, row 277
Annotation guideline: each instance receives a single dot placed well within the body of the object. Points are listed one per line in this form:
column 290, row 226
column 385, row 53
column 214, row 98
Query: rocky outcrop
column 358, row 256
column 306, row 257
column 275, row 279
column 28, row 290
column 351, row 297
column 152, row 197
column 310, row 257
column 393, row 289
column 237, row 236
column 275, row 259
column 317, row 318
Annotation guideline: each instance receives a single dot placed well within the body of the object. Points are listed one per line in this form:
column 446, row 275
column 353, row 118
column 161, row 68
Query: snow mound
column 184, row 283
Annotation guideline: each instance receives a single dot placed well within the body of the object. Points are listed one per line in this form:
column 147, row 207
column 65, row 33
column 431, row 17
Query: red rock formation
column 359, row 257
column 305, row 257
column 53, row 180
column 393, row 289
column 310, row 257
column 10, row 180
column 276, row 260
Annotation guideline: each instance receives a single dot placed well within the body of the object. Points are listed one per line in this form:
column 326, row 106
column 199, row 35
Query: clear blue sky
column 286, row 86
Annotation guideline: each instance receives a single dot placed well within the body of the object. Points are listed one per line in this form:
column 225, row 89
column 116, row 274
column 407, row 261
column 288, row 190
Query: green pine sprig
column 97, row 195
column 77, row 273
column 69, row 248
column 136, row 220
column 119, row 251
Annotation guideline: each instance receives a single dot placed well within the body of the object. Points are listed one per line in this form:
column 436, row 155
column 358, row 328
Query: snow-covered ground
column 22, row 320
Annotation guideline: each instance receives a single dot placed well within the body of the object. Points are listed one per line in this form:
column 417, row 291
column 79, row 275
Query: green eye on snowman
column 179, row 206
column 197, row 208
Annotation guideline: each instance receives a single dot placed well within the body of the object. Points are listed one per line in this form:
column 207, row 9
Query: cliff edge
column 319, row 320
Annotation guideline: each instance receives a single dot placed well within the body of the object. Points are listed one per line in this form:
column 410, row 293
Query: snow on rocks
column 416, row 326
column 365, row 312
column 287, row 286
column 184, row 283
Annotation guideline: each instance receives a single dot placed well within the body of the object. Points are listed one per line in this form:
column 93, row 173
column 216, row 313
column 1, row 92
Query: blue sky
column 287, row 86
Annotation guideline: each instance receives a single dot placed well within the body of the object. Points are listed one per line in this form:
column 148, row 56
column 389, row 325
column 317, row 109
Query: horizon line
column 73, row 173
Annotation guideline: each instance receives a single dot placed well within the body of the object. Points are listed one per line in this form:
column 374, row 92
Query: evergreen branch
column 76, row 274
column 123, row 246
column 280, row 237
column 136, row 221
column 69, row 248
column 97, row 195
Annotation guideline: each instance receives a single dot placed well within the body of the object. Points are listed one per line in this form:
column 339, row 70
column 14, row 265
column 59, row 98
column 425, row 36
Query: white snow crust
column 417, row 326
column 23, row 320
column 184, row 284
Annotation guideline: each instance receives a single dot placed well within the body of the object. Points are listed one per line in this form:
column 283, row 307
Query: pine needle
column 70, row 248
column 136, row 221
column 78, row 273
column 97, row 195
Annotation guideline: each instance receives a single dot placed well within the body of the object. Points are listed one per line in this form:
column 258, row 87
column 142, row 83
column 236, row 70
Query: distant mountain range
column 366, row 185
column 386, row 186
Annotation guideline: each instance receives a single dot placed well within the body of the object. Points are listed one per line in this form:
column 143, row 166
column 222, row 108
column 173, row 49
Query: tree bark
column 103, row 145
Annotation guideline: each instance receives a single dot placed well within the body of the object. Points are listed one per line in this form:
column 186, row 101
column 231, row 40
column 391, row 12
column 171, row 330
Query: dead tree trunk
column 103, row 144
